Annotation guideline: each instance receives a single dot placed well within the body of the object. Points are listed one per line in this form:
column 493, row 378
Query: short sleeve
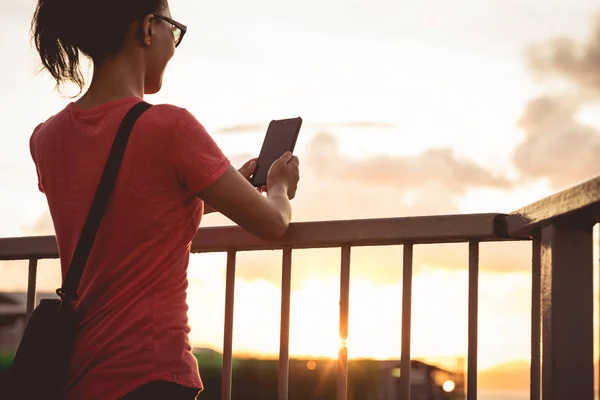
column 32, row 147
column 198, row 160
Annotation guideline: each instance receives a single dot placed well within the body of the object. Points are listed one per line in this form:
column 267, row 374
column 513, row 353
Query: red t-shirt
column 132, row 296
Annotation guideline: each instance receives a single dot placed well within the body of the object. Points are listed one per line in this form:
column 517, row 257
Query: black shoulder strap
column 105, row 188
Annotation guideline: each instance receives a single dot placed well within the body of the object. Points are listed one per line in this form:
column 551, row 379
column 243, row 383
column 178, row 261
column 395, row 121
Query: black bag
column 42, row 358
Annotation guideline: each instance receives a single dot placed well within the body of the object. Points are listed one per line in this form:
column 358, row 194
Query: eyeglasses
column 177, row 28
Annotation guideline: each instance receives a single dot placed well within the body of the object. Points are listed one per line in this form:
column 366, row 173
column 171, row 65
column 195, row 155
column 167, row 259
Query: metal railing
column 560, row 228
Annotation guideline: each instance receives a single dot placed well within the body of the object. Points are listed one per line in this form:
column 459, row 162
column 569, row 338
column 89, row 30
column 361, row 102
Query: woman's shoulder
column 175, row 119
column 40, row 127
column 170, row 113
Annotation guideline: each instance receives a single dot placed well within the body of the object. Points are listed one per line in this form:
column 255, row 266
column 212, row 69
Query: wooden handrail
column 582, row 199
column 363, row 232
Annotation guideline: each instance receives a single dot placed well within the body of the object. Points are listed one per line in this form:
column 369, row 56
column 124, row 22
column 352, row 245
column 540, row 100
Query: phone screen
column 281, row 137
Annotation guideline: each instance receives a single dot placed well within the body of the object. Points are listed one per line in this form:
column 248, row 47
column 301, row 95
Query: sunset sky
column 409, row 108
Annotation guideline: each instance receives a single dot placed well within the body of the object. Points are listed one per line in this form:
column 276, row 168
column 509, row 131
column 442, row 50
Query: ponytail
column 50, row 32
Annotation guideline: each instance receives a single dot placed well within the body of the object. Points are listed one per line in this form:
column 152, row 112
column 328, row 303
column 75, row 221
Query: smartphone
column 281, row 137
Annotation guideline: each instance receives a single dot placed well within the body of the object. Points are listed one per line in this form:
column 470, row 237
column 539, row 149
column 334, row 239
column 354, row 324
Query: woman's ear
column 147, row 29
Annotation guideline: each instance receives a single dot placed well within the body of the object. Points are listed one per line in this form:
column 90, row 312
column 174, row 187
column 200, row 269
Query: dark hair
column 97, row 28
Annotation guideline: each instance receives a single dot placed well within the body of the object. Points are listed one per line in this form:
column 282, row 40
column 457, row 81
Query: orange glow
column 439, row 317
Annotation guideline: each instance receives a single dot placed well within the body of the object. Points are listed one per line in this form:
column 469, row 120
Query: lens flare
column 448, row 386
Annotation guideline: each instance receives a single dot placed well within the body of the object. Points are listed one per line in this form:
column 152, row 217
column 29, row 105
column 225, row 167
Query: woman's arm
column 232, row 195
column 246, row 170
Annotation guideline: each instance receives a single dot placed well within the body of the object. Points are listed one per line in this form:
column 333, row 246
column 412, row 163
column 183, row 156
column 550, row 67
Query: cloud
column 335, row 186
column 241, row 128
column 578, row 63
column 556, row 145
column 262, row 128
column 365, row 125
column 432, row 168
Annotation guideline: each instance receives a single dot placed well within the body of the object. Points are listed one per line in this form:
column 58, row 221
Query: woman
column 132, row 335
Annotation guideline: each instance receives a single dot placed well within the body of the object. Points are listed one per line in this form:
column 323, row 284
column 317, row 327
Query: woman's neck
column 116, row 78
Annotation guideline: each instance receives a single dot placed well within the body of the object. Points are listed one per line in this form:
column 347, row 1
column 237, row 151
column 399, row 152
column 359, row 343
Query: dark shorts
column 161, row 390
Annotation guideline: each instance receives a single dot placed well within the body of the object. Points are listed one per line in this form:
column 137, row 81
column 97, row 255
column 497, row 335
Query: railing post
column 31, row 284
column 567, row 312
column 473, row 324
column 407, row 270
column 226, row 373
column 342, row 373
column 284, row 337
column 536, row 321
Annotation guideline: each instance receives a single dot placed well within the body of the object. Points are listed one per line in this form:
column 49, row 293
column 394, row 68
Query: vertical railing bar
column 406, row 321
column 536, row 282
column 226, row 373
column 31, row 284
column 473, row 311
column 342, row 373
column 284, row 339
column 567, row 304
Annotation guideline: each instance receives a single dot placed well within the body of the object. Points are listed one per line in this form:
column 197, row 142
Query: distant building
column 427, row 382
column 13, row 316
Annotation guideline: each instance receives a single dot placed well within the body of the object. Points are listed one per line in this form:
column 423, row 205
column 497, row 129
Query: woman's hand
column 285, row 173
column 248, row 169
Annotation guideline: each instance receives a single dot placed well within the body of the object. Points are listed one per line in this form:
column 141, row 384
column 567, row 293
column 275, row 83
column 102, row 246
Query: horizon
column 408, row 109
